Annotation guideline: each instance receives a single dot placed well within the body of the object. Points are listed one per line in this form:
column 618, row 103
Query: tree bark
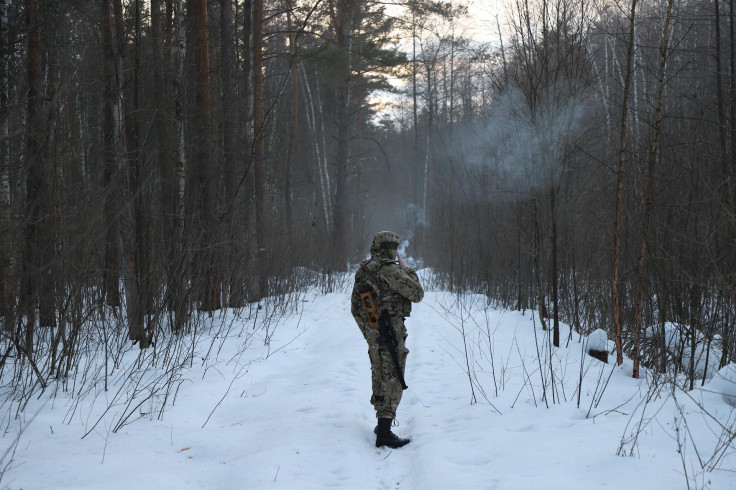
column 650, row 192
column 719, row 91
column 138, row 176
column 126, row 181
column 620, row 189
column 315, row 122
column 541, row 309
column 415, row 106
column 732, row 84
column 202, row 165
column 341, row 16
column 231, row 269
column 162, row 123
column 7, row 293
column 554, row 272
column 121, row 237
column 259, row 145
column 179, row 272
column 35, row 183
column 294, row 80
column 731, row 178
column 112, row 243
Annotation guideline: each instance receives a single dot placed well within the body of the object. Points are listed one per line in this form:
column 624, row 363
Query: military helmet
column 386, row 240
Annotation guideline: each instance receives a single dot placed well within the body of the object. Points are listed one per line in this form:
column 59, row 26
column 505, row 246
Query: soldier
column 394, row 287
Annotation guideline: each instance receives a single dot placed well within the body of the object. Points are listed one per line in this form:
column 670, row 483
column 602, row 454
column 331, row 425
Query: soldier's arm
column 404, row 281
column 355, row 308
column 355, row 303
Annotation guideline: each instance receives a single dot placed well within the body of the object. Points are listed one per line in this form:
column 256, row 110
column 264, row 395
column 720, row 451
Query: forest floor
column 285, row 404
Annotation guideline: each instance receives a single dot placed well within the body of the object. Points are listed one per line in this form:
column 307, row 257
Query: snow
column 598, row 340
column 285, row 404
column 676, row 339
column 724, row 383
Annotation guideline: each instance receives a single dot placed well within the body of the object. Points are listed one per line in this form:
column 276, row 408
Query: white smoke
column 413, row 217
column 402, row 248
column 531, row 145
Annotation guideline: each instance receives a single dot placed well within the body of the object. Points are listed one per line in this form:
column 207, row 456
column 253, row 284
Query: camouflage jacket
column 394, row 289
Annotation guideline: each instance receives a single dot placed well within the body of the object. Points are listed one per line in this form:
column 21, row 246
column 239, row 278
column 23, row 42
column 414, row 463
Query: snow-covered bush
column 724, row 382
column 675, row 339
column 597, row 344
column 598, row 340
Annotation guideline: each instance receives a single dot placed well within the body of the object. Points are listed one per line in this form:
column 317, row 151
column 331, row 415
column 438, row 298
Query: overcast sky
column 482, row 13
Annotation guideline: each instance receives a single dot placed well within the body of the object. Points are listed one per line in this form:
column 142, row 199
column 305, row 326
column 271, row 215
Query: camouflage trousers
column 387, row 389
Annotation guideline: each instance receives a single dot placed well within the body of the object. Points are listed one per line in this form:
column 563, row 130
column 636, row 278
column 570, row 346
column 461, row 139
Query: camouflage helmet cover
column 386, row 240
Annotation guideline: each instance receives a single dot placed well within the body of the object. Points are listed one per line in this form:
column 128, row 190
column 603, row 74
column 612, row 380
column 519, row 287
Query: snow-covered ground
column 295, row 414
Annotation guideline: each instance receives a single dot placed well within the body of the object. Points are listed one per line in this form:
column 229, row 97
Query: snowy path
column 301, row 418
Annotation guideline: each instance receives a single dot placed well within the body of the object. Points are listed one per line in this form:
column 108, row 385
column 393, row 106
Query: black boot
column 384, row 436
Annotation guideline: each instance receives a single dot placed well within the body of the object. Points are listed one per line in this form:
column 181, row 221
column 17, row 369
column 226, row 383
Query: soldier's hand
column 402, row 263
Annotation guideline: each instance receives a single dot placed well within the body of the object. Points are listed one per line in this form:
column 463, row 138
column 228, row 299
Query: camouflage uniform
column 394, row 289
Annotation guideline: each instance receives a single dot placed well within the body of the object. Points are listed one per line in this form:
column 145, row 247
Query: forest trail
column 294, row 413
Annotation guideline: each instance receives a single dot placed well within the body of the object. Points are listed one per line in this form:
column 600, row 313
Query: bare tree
column 161, row 120
column 230, row 167
column 650, row 190
column 202, row 165
column 36, row 187
column 294, row 121
column 6, row 288
column 342, row 18
column 620, row 186
column 259, row 147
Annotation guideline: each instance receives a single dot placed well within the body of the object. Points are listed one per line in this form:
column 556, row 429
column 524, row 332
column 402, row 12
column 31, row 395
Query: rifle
column 387, row 335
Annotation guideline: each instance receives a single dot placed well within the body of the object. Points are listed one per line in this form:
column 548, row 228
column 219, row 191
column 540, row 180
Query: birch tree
column 650, row 189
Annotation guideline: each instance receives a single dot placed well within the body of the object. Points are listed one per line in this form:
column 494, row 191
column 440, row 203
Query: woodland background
column 162, row 160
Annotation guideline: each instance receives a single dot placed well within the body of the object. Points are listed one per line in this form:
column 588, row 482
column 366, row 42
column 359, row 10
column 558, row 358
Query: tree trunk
column 7, row 292
column 140, row 191
column 732, row 84
column 519, row 297
column 537, row 273
column 179, row 269
column 259, row 146
column 695, row 325
column 620, row 190
column 553, row 273
column 342, row 24
column 250, row 250
column 36, row 188
column 719, row 91
column 315, row 121
column 112, row 240
column 231, row 268
column 122, row 228
column 650, row 192
column 731, row 178
column 202, row 167
column 161, row 122
column 228, row 94
column 294, row 79
column 428, row 150
column 415, row 110
column 126, row 181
